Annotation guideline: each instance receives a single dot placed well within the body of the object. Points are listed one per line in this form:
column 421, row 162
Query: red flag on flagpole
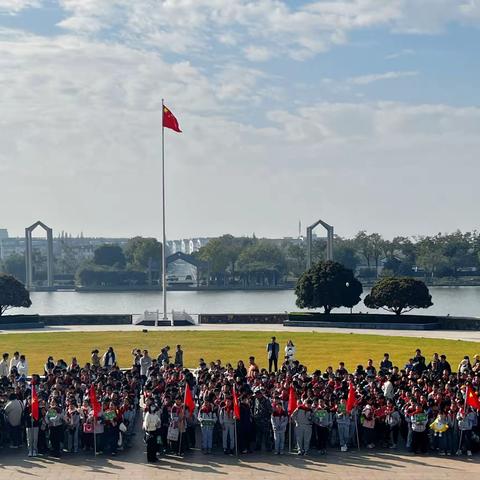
column 292, row 400
column 169, row 120
column 94, row 402
column 34, row 403
column 351, row 399
column 236, row 406
column 189, row 403
column 472, row 398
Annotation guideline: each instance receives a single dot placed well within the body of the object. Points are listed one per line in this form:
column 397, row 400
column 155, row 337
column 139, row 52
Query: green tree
column 296, row 257
column 140, row 252
column 221, row 255
column 328, row 285
column 262, row 262
column 12, row 293
column 345, row 253
column 109, row 255
column 399, row 295
column 15, row 265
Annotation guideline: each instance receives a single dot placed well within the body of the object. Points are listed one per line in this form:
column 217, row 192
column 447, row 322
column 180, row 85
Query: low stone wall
column 243, row 318
column 17, row 321
column 459, row 323
column 385, row 321
column 367, row 318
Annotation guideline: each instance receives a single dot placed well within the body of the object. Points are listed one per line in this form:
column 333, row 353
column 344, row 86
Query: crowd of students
column 422, row 406
column 64, row 419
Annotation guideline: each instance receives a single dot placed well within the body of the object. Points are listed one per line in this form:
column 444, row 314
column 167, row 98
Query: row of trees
column 249, row 260
column 330, row 285
column 137, row 264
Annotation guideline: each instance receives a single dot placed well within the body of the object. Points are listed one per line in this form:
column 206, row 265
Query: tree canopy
column 399, row 295
column 328, row 285
column 109, row 255
column 140, row 252
column 12, row 293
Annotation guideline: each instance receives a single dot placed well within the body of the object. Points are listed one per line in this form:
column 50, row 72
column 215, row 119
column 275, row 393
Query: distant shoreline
column 212, row 288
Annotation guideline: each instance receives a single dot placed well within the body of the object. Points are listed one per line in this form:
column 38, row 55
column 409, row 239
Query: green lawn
column 316, row 350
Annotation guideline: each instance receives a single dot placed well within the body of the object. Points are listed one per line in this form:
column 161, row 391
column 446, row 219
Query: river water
column 456, row 301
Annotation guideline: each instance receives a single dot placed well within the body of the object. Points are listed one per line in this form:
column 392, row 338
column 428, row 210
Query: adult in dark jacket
column 245, row 426
column 262, row 411
column 272, row 353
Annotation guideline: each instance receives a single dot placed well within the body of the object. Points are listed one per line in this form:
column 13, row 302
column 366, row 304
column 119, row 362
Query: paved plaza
column 352, row 465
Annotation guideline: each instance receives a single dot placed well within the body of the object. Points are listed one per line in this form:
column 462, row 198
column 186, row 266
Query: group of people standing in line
column 425, row 407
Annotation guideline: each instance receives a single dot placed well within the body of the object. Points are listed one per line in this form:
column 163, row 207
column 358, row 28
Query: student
column 245, row 427
column 151, row 426
column 4, row 366
column 393, row 421
column 252, row 367
column 419, row 421
column 32, row 428
column 466, row 420
column 207, row 418
column 95, row 359
column 303, row 420
column 262, row 411
column 343, row 420
column 179, row 356
column 368, row 424
column 322, row 422
column 145, row 363
column 14, row 361
column 290, row 351
column 72, row 423
column 386, row 365
column 440, row 428
column 176, row 427
column 13, row 413
column 55, row 420
column 279, row 424
column 227, row 421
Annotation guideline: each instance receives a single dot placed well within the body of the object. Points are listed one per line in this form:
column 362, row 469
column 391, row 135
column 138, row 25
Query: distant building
column 3, row 233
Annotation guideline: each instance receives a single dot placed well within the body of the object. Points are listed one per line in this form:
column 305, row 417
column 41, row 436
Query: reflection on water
column 456, row 301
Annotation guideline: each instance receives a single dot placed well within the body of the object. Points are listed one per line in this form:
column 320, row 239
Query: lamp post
column 348, row 286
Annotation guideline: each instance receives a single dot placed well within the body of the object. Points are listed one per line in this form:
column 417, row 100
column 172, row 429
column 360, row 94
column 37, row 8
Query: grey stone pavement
column 467, row 335
column 353, row 465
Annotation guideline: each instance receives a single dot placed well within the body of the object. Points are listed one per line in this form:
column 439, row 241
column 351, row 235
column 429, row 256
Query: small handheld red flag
column 236, row 406
column 472, row 398
column 292, row 400
column 34, row 403
column 169, row 120
column 94, row 402
column 189, row 403
column 351, row 399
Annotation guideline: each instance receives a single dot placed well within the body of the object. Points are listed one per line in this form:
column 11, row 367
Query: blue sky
column 284, row 105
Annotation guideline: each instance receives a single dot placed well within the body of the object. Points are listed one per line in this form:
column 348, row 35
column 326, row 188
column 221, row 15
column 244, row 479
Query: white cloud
column 80, row 127
column 402, row 53
column 257, row 54
column 15, row 6
column 80, row 122
column 376, row 77
column 269, row 28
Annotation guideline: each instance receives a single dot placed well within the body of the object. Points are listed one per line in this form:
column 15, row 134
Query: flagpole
column 356, row 428
column 164, row 238
column 94, row 434
column 31, row 416
column 464, row 413
column 235, row 437
column 290, row 435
